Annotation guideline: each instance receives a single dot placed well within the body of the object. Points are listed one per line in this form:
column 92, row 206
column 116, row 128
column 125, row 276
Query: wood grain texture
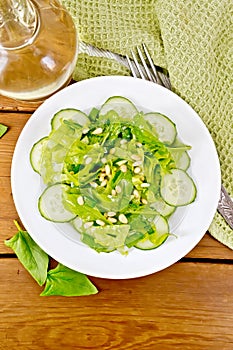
column 210, row 248
column 11, row 105
column 15, row 123
column 187, row 306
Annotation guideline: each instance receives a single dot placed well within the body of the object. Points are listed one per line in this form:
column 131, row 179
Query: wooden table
column 187, row 306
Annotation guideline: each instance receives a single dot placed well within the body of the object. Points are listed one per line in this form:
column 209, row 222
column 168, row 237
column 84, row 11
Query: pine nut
column 137, row 170
column 80, row 200
column 136, row 194
column 107, row 170
column 111, row 213
column 103, row 183
column 112, row 150
column 123, row 168
column 144, row 201
column 113, row 192
column 145, row 184
column 97, row 131
column 88, row 224
column 112, row 220
column 123, row 219
column 121, row 162
column 118, row 189
column 102, row 177
column 85, row 131
column 100, row 222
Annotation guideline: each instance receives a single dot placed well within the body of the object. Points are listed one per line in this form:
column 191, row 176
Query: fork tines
column 143, row 70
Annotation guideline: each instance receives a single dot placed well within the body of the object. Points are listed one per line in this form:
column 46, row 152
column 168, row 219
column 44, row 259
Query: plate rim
column 37, row 114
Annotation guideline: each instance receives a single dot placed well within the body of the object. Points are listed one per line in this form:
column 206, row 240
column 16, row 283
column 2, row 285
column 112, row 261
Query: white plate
column 190, row 224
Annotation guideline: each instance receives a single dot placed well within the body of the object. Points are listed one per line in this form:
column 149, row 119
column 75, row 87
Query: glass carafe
column 38, row 48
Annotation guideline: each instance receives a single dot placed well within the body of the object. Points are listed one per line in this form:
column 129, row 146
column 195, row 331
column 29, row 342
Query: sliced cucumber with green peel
column 154, row 240
column 51, row 206
column 73, row 114
column 177, row 188
column 164, row 127
column 36, row 154
column 121, row 105
column 162, row 207
column 181, row 158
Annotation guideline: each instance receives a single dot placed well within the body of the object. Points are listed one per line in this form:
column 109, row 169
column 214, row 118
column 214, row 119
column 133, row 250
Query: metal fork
column 150, row 72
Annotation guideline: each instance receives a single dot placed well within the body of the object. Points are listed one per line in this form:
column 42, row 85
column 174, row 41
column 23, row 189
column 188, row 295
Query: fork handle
column 225, row 207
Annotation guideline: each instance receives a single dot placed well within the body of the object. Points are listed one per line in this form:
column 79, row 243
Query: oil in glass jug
column 38, row 48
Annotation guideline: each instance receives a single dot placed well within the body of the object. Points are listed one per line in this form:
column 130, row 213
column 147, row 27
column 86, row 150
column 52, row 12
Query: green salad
column 117, row 175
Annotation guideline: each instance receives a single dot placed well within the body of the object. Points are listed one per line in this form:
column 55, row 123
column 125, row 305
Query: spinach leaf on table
column 3, row 129
column 66, row 282
column 59, row 281
column 32, row 257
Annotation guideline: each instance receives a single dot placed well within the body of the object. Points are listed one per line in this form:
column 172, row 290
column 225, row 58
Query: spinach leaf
column 66, row 282
column 59, row 281
column 32, row 257
column 3, row 129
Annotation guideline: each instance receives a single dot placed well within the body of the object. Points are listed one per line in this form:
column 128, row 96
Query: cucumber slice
column 51, row 206
column 78, row 224
column 36, row 154
column 162, row 207
column 177, row 188
column 121, row 105
column 156, row 239
column 90, row 241
column 178, row 144
column 181, row 158
column 69, row 114
column 165, row 128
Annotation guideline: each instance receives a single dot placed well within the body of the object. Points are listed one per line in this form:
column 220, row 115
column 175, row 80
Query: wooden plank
column 187, row 306
column 8, row 104
column 15, row 123
column 210, row 248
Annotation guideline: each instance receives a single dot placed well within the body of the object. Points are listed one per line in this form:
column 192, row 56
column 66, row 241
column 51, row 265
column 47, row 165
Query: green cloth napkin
column 191, row 39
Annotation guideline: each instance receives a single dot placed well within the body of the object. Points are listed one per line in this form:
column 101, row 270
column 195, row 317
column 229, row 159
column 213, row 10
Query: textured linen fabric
column 191, row 39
